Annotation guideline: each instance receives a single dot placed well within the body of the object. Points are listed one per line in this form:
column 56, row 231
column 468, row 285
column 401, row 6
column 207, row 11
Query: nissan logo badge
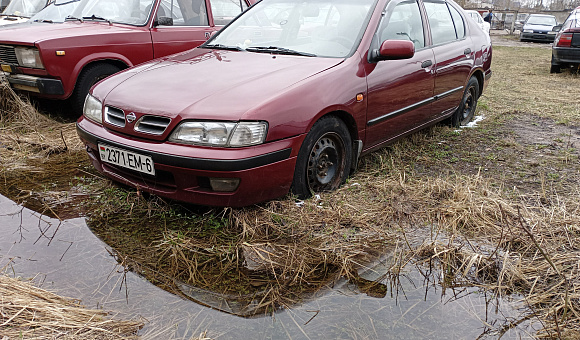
column 131, row 117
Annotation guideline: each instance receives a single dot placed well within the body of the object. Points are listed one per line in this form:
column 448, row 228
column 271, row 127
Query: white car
column 21, row 10
column 485, row 26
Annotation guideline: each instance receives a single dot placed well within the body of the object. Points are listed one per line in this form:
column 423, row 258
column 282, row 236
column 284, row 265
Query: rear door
column 454, row 56
column 193, row 23
column 400, row 91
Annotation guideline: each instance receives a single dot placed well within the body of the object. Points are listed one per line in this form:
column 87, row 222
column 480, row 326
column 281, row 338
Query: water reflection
column 66, row 257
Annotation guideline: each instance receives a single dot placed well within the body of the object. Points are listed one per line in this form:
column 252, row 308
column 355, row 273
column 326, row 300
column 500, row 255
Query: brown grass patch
column 28, row 312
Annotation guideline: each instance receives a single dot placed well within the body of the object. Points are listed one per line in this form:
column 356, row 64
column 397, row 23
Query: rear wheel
column 466, row 110
column 555, row 67
column 324, row 158
column 89, row 77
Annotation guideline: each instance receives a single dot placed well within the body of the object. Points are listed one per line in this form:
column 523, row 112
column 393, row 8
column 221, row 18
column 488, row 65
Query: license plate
column 127, row 159
column 6, row 68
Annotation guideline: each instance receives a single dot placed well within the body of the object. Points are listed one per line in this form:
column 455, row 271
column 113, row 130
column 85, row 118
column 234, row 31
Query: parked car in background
column 485, row 26
column 566, row 47
column 21, row 10
column 102, row 37
column 539, row 27
column 288, row 96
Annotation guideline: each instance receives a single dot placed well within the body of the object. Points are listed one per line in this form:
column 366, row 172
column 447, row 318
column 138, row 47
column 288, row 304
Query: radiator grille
column 153, row 125
column 115, row 116
column 7, row 55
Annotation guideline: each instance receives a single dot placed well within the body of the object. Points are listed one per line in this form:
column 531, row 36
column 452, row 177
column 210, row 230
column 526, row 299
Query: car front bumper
column 545, row 37
column 265, row 171
column 40, row 85
column 566, row 55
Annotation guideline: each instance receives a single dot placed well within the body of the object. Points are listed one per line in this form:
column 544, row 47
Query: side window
column 192, row 13
column 442, row 27
column 458, row 21
column 404, row 23
column 224, row 11
column 171, row 9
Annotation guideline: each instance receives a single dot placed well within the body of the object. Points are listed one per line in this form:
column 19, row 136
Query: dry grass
column 27, row 133
column 521, row 81
column 28, row 312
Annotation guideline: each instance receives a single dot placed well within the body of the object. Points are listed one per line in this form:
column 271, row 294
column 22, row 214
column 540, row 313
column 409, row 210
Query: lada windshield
column 327, row 28
column 132, row 12
column 24, row 8
column 546, row 21
column 55, row 12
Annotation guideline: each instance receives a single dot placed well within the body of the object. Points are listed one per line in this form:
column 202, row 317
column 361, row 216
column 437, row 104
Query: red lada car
column 286, row 97
column 102, row 37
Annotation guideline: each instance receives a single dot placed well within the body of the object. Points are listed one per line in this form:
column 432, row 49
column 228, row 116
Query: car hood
column 210, row 84
column 34, row 34
column 538, row 27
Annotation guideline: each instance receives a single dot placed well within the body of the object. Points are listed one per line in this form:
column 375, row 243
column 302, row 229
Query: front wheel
column 89, row 77
column 324, row 158
column 466, row 110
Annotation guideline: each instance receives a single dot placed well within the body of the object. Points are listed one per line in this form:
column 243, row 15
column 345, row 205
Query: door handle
column 467, row 51
column 426, row 63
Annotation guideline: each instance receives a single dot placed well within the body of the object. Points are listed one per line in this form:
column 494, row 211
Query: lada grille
column 7, row 55
column 115, row 116
column 152, row 125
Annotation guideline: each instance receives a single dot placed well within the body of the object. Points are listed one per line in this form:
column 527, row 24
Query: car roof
column 542, row 15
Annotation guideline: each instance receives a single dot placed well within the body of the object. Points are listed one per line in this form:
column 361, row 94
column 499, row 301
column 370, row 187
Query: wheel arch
column 347, row 119
column 120, row 62
column 478, row 74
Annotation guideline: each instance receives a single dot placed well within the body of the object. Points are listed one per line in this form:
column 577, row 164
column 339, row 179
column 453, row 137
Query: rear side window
column 441, row 23
column 458, row 21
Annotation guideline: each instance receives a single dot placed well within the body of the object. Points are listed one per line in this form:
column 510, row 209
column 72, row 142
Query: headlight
column 528, row 31
column 93, row 109
column 221, row 134
column 28, row 57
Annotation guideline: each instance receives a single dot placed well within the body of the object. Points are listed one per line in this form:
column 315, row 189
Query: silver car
column 539, row 27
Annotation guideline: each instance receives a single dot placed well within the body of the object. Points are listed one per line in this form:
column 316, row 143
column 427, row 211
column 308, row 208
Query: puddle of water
column 67, row 258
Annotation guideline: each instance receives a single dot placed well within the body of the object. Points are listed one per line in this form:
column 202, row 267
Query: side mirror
column 164, row 21
column 395, row 50
column 557, row 28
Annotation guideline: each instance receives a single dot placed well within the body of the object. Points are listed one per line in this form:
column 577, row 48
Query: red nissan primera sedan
column 286, row 98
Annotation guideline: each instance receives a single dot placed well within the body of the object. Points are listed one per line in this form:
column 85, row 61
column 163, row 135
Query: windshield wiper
column 44, row 20
column 278, row 50
column 14, row 16
column 95, row 17
column 70, row 17
column 223, row 47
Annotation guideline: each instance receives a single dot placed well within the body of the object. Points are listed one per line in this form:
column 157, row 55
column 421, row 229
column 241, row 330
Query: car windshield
column 56, row 12
column 327, row 28
column 24, row 8
column 547, row 21
column 132, row 12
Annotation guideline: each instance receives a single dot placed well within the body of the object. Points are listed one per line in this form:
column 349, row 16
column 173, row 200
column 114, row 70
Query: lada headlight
column 28, row 57
column 220, row 134
column 93, row 109
column 528, row 31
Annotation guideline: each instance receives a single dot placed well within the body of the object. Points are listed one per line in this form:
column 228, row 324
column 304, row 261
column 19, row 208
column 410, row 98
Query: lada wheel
column 89, row 77
column 466, row 110
column 324, row 159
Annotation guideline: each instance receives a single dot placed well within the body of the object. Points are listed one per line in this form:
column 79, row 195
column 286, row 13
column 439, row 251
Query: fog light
column 224, row 184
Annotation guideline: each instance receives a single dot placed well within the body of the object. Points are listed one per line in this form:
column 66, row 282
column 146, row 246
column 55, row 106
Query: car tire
column 89, row 77
column 466, row 110
column 555, row 67
column 324, row 159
